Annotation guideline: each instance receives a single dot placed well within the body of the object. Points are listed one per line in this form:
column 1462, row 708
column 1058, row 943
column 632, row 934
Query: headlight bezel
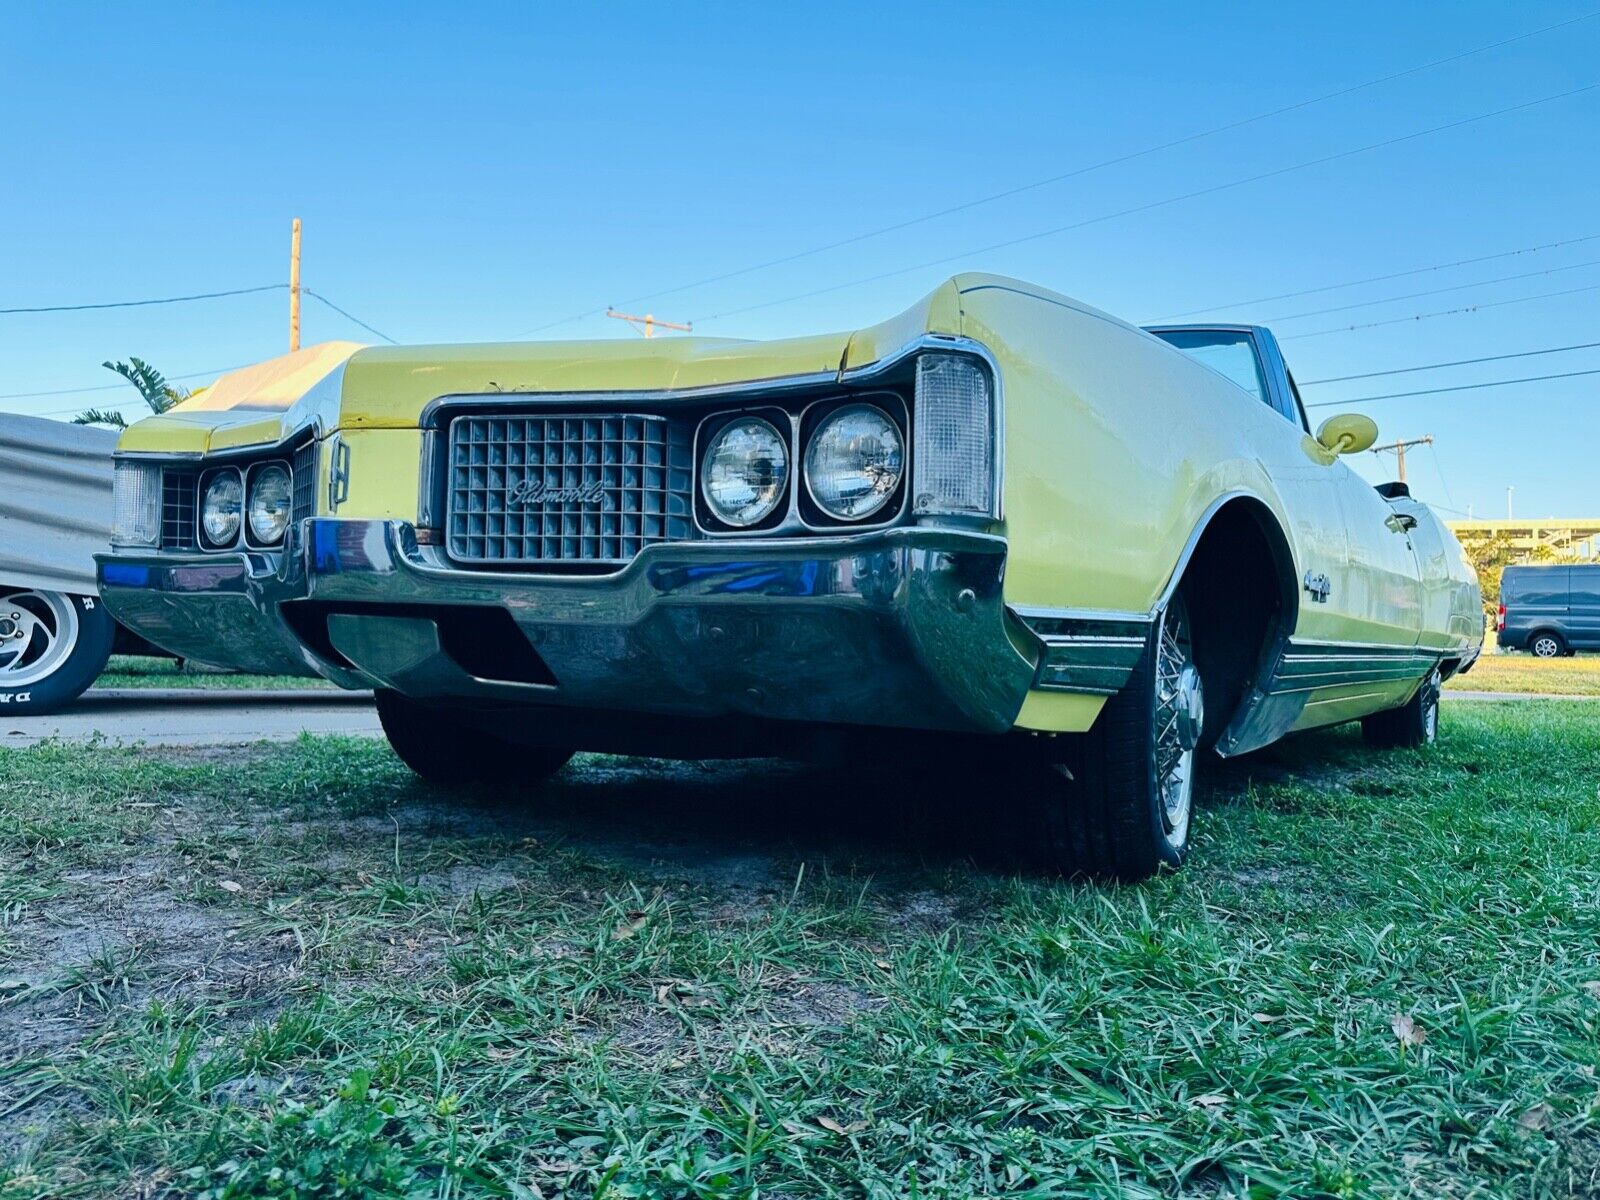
column 711, row 428
column 252, row 483
column 814, row 419
column 203, row 485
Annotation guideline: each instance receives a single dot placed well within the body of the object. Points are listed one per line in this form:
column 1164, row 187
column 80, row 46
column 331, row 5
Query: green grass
column 129, row 671
column 294, row 971
column 1576, row 676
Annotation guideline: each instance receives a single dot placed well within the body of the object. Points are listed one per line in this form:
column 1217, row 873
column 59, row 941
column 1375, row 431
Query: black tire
column 63, row 646
column 1104, row 813
column 444, row 747
column 1547, row 643
column 1415, row 723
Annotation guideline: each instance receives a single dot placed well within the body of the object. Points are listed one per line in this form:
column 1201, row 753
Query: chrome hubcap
column 1179, row 717
column 1546, row 648
column 38, row 631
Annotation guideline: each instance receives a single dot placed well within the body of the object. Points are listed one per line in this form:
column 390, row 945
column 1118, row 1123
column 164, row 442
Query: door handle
column 1400, row 522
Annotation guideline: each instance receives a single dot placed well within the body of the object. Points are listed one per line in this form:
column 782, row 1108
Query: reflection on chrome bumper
column 899, row 627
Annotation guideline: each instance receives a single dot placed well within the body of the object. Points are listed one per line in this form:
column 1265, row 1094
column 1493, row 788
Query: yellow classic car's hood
column 258, row 405
column 343, row 385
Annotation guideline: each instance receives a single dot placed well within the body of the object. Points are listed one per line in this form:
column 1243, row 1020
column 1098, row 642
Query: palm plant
column 151, row 385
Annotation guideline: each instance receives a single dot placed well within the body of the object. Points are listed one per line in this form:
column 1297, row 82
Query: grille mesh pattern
column 305, row 483
column 537, row 489
column 178, row 499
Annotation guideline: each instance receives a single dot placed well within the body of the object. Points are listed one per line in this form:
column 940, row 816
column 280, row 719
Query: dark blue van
column 1549, row 610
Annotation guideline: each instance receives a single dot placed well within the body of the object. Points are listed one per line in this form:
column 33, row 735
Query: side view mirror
column 1347, row 433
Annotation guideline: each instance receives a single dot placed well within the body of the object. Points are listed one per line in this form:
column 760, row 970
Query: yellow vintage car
column 1068, row 549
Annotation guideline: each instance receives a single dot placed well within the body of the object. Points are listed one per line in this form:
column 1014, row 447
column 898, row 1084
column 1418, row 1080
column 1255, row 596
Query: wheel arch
column 1238, row 538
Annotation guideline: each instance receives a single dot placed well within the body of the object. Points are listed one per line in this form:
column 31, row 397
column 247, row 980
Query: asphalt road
column 197, row 717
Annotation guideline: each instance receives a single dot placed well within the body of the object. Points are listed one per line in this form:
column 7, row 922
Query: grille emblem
column 536, row 491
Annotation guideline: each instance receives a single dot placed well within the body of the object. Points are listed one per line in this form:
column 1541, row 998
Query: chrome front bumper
column 903, row 627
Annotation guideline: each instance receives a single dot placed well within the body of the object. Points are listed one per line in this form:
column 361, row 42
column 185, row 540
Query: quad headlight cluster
column 852, row 466
column 259, row 500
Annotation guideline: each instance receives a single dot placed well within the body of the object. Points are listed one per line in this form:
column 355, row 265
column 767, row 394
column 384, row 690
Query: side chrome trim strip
column 1084, row 650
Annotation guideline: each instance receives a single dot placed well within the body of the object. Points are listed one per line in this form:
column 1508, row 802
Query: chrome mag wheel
column 38, row 632
column 1179, row 717
column 1546, row 646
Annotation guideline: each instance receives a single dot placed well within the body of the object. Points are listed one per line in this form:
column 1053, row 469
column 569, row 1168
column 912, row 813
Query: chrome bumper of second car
column 903, row 626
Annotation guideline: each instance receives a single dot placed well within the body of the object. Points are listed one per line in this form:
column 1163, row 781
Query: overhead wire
column 1457, row 362
column 1445, row 312
column 1461, row 387
column 1196, row 193
column 1333, row 287
column 1455, row 287
column 1019, row 189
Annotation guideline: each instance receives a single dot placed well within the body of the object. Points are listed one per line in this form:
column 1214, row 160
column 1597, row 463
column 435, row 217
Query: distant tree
column 151, row 385
column 1489, row 555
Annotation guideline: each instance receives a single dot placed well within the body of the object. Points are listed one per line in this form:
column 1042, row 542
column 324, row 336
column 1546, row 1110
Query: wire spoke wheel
column 1179, row 714
column 38, row 632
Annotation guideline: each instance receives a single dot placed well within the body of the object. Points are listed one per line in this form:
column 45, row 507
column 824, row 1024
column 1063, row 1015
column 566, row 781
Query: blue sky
column 479, row 171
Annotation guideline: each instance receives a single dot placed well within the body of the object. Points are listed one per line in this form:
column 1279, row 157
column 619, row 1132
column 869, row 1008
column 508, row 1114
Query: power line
column 1446, row 312
column 1455, row 287
column 1333, row 287
column 1464, row 387
column 1072, row 174
column 54, row 308
column 112, row 387
column 349, row 316
column 1459, row 362
column 1154, row 204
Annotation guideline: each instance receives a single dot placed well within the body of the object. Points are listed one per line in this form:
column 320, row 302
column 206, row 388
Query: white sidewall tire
column 69, row 665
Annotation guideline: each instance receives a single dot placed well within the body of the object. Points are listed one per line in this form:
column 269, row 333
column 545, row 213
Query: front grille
column 178, row 486
column 305, row 483
column 566, row 489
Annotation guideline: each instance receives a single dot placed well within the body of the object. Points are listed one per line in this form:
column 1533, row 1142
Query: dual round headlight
column 223, row 507
column 854, row 462
column 745, row 475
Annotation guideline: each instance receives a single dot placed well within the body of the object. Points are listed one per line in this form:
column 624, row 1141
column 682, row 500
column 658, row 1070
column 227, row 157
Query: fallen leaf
column 883, row 964
column 626, row 929
column 229, row 885
column 1536, row 1117
column 1264, row 1018
column 13, row 985
column 1209, row 1100
column 833, row 1126
column 1408, row 1031
column 1593, row 988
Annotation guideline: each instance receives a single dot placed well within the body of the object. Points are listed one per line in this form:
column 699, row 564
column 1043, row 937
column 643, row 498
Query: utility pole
column 294, row 285
column 1399, row 449
column 648, row 323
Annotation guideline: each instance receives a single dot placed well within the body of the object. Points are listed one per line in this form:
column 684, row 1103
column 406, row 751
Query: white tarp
column 55, row 502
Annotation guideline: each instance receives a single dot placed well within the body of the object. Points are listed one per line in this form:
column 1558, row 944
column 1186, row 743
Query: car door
column 1583, row 606
column 1441, row 629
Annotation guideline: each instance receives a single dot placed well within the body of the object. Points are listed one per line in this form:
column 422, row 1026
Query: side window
column 1230, row 353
